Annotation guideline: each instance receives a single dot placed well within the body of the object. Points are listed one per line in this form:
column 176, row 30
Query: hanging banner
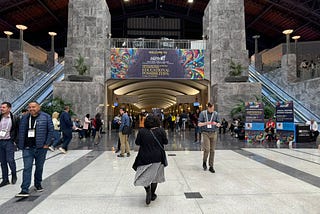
column 134, row 63
column 285, row 122
column 254, row 126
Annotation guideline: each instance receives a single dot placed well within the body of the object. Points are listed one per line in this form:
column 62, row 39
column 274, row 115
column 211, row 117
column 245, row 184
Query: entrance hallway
column 91, row 179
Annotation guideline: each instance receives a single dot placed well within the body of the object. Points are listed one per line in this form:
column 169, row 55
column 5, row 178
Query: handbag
column 164, row 156
column 126, row 130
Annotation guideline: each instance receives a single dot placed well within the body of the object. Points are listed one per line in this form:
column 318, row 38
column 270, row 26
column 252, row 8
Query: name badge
column 31, row 133
column 209, row 126
column 3, row 133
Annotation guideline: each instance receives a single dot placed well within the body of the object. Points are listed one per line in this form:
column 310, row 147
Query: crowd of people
column 35, row 132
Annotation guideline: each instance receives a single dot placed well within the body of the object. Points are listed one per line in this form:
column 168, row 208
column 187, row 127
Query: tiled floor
column 248, row 179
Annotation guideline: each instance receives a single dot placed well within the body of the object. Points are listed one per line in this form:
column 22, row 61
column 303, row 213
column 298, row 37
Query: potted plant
column 82, row 69
column 236, row 70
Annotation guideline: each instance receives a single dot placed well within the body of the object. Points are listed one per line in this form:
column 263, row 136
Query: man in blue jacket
column 66, row 128
column 9, row 126
column 35, row 134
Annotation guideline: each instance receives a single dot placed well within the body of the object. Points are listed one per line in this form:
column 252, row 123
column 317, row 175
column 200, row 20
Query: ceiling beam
column 302, row 16
column 51, row 13
column 258, row 17
column 13, row 6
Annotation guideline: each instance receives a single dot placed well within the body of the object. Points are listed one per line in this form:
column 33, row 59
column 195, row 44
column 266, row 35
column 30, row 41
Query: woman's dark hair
column 88, row 116
column 98, row 116
column 151, row 121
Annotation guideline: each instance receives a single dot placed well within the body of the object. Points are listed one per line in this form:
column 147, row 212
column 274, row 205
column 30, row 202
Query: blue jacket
column 125, row 120
column 65, row 122
column 44, row 130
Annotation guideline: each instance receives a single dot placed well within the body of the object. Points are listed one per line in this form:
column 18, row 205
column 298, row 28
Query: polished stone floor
column 248, row 179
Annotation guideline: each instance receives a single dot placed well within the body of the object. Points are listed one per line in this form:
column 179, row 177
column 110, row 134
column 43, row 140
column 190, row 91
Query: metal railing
column 6, row 71
column 272, row 91
column 157, row 43
column 40, row 90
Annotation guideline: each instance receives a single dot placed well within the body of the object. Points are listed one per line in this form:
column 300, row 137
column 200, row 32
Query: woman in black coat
column 151, row 158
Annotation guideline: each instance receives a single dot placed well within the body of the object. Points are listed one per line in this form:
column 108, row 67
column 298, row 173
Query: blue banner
column 254, row 126
column 285, row 127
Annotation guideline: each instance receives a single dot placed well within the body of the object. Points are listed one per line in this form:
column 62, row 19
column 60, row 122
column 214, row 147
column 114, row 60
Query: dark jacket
column 149, row 150
column 44, row 130
column 65, row 122
column 14, row 131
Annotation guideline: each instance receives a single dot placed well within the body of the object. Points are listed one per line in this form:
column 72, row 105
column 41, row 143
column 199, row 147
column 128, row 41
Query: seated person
column 313, row 129
column 77, row 127
column 224, row 126
column 269, row 133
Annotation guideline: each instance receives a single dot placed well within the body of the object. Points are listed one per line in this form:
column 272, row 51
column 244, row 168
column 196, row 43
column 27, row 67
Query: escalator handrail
column 305, row 113
column 36, row 88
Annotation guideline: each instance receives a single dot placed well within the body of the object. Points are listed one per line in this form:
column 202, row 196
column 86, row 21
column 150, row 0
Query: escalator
column 39, row 91
column 274, row 93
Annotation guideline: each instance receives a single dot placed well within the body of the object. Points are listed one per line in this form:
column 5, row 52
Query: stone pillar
column 289, row 68
column 89, row 22
column 224, row 27
column 20, row 64
column 50, row 59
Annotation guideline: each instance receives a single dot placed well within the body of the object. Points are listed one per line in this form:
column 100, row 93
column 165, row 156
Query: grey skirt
column 147, row 174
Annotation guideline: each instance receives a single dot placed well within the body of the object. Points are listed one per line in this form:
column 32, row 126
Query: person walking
column 209, row 122
column 98, row 125
column 151, row 158
column 9, row 128
column 66, row 128
column 56, row 131
column 125, row 121
column 35, row 134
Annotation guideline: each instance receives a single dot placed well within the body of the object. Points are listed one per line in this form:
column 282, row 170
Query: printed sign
column 133, row 63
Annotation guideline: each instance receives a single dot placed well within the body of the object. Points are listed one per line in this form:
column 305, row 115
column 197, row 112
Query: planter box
column 80, row 78
column 236, row 79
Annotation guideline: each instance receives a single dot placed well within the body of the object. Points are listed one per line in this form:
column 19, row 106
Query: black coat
column 149, row 150
column 14, row 128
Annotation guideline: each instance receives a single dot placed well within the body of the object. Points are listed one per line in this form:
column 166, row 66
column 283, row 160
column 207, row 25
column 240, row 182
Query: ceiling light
column 190, row 1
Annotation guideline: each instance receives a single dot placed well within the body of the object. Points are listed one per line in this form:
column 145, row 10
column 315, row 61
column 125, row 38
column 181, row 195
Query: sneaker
column 204, row 165
column 128, row 154
column 39, row 188
column 23, row 194
column 211, row 169
column 63, row 150
column 4, row 183
column 51, row 148
column 120, row 156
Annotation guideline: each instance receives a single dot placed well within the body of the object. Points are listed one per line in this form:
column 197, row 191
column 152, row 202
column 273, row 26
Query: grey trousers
column 209, row 146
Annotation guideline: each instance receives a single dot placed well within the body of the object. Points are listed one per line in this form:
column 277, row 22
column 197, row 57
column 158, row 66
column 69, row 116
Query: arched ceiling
column 156, row 93
column 268, row 18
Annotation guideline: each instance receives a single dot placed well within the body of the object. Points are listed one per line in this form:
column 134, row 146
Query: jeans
column 39, row 156
column 7, row 157
column 66, row 136
column 56, row 138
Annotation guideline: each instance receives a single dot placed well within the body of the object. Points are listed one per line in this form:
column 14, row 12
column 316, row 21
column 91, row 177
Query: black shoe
column 211, row 169
column 39, row 188
column 120, row 156
column 148, row 194
column 204, row 165
column 153, row 197
column 22, row 194
column 4, row 183
column 128, row 154
column 14, row 178
column 118, row 150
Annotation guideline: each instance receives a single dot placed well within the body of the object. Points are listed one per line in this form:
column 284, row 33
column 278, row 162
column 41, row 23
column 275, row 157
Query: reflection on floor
column 248, row 179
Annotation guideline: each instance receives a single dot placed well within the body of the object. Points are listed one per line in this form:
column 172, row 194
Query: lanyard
column 207, row 116
column 34, row 125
